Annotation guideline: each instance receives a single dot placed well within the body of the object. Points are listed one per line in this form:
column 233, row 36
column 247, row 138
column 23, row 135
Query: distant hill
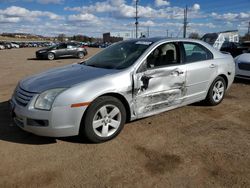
column 23, row 37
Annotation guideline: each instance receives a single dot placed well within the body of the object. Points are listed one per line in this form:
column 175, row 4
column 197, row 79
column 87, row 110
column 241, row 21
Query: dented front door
column 158, row 89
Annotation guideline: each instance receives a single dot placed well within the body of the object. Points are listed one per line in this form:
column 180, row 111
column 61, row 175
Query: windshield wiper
column 92, row 66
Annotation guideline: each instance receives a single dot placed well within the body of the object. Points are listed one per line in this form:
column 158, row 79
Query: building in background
column 108, row 38
column 126, row 35
column 122, row 35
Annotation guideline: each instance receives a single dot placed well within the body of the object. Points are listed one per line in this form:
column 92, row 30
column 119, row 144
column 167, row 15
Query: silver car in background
column 126, row 81
column 70, row 49
column 242, row 66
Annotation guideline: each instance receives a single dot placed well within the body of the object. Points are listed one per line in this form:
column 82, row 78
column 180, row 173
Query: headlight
column 43, row 51
column 46, row 99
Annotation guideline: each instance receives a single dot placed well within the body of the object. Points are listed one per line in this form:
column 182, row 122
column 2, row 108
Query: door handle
column 212, row 66
column 177, row 73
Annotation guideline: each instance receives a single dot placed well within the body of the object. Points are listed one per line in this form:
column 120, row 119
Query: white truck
column 218, row 39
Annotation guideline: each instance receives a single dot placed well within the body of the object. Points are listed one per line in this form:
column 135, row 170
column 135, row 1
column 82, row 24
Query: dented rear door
column 158, row 89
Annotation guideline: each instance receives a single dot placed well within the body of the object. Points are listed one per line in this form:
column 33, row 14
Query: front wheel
column 51, row 56
column 216, row 91
column 104, row 119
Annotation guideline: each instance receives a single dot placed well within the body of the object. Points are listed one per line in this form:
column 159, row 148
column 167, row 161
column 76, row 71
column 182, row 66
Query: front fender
column 88, row 91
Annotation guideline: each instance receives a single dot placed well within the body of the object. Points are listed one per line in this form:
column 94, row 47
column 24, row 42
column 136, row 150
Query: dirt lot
column 194, row 146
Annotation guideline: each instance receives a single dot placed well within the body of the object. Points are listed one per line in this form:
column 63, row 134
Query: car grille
column 244, row 66
column 22, row 96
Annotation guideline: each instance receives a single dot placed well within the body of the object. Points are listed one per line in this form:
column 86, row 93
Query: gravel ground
column 193, row 146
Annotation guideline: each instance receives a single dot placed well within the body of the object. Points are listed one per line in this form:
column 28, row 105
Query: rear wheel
column 104, row 119
column 51, row 56
column 216, row 91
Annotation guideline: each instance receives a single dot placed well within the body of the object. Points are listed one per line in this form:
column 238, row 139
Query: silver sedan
column 126, row 81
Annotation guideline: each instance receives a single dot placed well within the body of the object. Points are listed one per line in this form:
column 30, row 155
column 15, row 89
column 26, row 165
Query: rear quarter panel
column 226, row 67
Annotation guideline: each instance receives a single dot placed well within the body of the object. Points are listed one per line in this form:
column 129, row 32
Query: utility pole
column 167, row 33
column 185, row 22
column 148, row 31
column 248, row 29
column 136, row 18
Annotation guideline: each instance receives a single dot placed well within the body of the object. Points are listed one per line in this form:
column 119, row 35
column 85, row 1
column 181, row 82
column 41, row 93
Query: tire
column 51, row 56
column 80, row 55
column 216, row 92
column 104, row 119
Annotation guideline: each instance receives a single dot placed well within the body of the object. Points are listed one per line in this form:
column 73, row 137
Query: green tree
column 194, row 35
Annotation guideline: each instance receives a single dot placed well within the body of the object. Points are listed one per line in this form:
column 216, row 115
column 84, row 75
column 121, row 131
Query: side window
column 196, row 52
column 62, row 46
column 164, row 55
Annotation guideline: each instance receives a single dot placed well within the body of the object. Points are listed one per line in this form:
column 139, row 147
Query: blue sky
column 94, row 17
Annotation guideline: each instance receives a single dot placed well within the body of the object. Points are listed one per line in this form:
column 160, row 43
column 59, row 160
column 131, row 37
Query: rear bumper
column 61, row 121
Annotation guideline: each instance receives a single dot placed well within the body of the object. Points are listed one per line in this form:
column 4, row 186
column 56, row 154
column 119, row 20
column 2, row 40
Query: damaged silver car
column 126, row 81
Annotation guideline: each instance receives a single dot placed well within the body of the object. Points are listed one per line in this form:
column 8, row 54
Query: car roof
column 164, row 39
column 158, row 40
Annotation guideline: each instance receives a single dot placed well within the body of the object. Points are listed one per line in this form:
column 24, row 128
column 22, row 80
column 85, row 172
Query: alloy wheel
column 218, row 91
column 107, row 120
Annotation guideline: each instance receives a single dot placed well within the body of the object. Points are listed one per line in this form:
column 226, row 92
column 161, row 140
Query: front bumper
column 243, row 74
column 61, row 121
column 41, row 55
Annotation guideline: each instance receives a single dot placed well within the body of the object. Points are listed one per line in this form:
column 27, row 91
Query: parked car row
column 26, row 44
column 5, row 45
column 98, row 44
column 17, row 44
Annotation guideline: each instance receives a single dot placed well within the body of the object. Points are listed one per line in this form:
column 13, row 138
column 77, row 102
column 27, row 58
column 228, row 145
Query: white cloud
column 160, row 3
column 9, row 19
column 204, row 25
column 17, row 14
column 148, row 23
column 50, row 1
column 196, row 7
column 85, row 17
column 119, row 9
column 242, row 16
column 117, row 15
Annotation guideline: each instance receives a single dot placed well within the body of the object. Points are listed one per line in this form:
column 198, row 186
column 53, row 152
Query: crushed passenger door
column 159, row 88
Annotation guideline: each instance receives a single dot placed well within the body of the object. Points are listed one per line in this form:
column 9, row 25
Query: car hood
column 43, row 50
column 63, row 77
column 243, row 58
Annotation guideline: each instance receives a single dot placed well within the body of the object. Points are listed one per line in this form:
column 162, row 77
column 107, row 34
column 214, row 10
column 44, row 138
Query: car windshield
column 119, row 56
column 52, row 47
